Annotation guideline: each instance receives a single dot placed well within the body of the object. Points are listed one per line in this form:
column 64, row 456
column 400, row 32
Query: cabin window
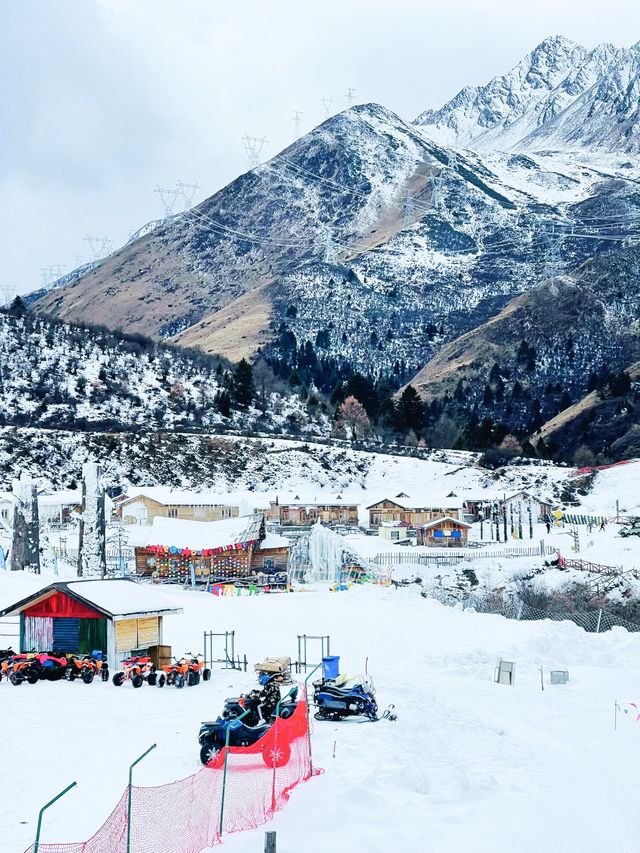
column 199, row 511
column 395, row 534
column 172, row 512
column 226, row 512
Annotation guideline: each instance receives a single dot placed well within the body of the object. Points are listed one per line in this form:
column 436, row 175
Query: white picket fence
column 444, row 557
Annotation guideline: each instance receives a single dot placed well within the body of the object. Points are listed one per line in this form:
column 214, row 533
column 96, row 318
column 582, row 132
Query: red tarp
column 62, row 605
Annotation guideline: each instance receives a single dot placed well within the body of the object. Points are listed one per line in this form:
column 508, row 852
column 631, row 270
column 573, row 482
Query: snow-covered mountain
column 560, row 96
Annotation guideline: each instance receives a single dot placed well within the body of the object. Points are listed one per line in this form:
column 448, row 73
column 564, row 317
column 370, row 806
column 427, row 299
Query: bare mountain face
column 560, row 96
column 379, row 245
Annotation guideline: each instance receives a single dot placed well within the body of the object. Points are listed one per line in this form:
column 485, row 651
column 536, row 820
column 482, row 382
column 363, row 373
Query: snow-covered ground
column 469, row 764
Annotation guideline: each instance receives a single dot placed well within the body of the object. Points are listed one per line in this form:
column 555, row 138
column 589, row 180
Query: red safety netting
column 184, row 816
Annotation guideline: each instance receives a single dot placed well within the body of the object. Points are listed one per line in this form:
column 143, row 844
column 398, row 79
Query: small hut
column 444, row 532
column 116, row 617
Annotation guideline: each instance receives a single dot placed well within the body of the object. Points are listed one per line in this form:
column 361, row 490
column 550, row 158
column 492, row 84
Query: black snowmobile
column 261, row 715
column 336, row 703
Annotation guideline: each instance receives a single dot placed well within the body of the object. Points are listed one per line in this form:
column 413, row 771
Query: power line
column 99, row 246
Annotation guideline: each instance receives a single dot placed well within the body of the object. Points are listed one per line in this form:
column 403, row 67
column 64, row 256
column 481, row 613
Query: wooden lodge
column 409, row 512
column 210, row 552
column 298, row 513
column 116, row 617
column 444, row 532
column 142, row 506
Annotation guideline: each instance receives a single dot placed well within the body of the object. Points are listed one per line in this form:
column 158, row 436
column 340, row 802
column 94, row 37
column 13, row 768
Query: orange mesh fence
column 184, row 816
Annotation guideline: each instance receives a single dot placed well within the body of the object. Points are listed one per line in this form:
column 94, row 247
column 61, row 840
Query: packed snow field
column 469, row 765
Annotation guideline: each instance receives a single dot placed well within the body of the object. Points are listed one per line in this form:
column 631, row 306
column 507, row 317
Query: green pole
column 43, row 810
column 306, row 696
column 153, row 746
column 224, row 772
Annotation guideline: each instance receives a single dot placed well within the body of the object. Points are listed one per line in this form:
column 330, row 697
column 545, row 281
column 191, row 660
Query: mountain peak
column 553, row 98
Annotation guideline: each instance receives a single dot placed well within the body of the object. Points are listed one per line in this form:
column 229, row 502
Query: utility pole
column 327, row 103
column 504, row 516
column 188, row 192
column 253, row 146
column 350, row 96
column 168, row 199
column 530, row 522
column 297, row 121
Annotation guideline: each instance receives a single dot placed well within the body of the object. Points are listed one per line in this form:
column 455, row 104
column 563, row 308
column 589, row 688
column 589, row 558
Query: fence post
column 269, row 842
column 153, row 746
column 224, row 773
column 599, row 619
column 44, row 808
column 306, row 696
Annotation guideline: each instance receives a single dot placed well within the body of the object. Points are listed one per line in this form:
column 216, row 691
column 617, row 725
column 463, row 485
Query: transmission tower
column 100, row 247
column 350, row 95
column 297, row 121
column 436, row 186
column 408, row 209
column 253, row 145
column 553, row 255
column 168, row 198
column 8, row 293
column 188, row 192
column 328, row 249
column 327, row 103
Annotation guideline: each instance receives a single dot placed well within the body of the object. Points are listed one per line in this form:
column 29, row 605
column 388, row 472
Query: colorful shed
column 115, row 616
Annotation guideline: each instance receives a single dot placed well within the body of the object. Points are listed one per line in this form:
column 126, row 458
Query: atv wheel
column 104, row 674
column 276, row 755
column 69, row 674
column 16, row 679
column 171, row 679
column 287, row 712
column 32, row 676
column 161, row 680
column 137, row 681
column 179, row 682
column 207, row 753
column 206, row 674
column 192, row 679
column 151, row 679
column 87, row 676
column 118, row 679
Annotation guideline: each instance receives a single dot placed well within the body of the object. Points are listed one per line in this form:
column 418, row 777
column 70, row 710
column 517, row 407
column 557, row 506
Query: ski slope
column 468, row 766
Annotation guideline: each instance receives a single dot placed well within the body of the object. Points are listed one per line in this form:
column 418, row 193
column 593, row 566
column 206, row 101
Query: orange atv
column 137, row 669
column 186, row 670
column 21, row 667
column 87, row 667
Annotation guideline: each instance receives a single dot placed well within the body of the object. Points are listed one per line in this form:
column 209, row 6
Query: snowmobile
column 336, row 700
column 248, row 730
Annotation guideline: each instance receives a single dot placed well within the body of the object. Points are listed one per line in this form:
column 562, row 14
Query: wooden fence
column 442, row 558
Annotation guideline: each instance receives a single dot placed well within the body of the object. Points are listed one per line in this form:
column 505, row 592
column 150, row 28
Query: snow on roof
column 200, row 534
column 122, row 597
column 7, row 497
column 427, row 502
column 437, row 521
column 272, row 540
column 180, row 497
column 118, row 598
column 70, row 497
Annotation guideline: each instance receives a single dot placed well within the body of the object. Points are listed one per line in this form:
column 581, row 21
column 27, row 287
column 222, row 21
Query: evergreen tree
column 242, row 389
column 410, row 411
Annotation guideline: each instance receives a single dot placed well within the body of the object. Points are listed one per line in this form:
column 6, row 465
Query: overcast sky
column 101, row 101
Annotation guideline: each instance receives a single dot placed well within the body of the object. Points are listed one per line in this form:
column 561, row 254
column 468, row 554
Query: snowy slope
column 469, row 765
column 561, row 95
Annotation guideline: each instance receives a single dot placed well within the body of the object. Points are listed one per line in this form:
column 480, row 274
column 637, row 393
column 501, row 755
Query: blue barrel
column 331, row 667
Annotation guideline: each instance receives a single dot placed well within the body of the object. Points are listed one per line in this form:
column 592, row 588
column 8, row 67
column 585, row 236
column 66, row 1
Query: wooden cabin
column 58, row 508
column 216, row 551
column 410, row 512
column 520, row 503
column 142, row 506
column 299, row 513
column 447, row 532
column 116, row 617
